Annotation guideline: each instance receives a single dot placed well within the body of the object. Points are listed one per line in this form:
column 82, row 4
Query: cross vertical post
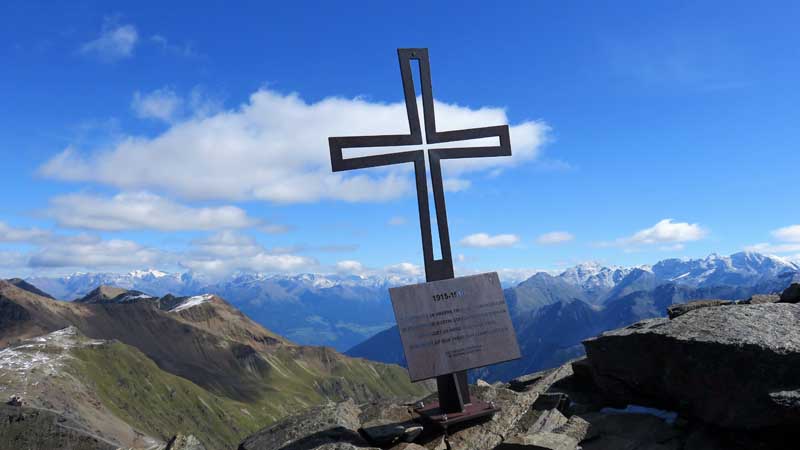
column 453, row 388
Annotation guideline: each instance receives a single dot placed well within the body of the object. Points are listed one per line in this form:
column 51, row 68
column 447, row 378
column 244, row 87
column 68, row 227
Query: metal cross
column 434, row 269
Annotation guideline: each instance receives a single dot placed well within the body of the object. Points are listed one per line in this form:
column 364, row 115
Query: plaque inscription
column 455, row 324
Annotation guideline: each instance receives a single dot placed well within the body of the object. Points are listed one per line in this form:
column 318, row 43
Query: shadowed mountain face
column 126, row 346
column 552, row 314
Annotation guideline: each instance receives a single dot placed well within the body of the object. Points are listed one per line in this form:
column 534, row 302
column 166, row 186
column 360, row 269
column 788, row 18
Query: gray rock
column 510, row 420
column 576, row 428
column 539, row 421
column 539, row 441
column 328, row 427
column 762, row 298
column 408, row 446
column 717, row 364
column 183, row 442
column 383, row 434
column 522, row 383
column 791, row 294
column 680, row 309
column 551, row 400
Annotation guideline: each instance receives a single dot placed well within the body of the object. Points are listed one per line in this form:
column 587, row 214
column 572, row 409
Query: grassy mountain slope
column 161, row 404
column 204, row 369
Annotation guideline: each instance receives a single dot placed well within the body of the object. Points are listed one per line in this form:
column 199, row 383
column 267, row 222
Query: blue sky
column 195, row 137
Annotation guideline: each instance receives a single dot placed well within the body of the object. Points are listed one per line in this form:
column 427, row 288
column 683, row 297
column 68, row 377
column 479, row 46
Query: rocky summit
column 718, row 375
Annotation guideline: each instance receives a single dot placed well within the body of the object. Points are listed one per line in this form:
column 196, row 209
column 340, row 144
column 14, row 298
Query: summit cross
column 454, row 396
column 435, row 269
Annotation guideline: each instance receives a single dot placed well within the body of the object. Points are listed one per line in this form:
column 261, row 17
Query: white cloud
column 349, row 267
column 84, row 251
column 666, row 231
column 788, row 241
column 456, row 184
column 275, row 148
column 12, row 234
column 141, row 210
column 115, row 42
column 788, row 234
column 483, row 240
column 555, row 237
column 397, row 221
column 227, row 252
column 405, row 269
column 12, row 260
column 162, row 104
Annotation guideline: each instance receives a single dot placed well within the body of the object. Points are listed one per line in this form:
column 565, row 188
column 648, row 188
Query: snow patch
column 44, row 354
column 192, row 301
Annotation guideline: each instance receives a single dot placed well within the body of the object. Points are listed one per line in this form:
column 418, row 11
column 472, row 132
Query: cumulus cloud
column 274, row 147
column 142, row 210
column 405, row 269
column 484, row 240
column 788, row 234
column 555, row 237
column 84, row 251
column 667, row 233
column 13, row 234
column 350, row 267
column 12, row 260
column 456, row 184
column 788, row 241
column 227, row 252
column 116, row 42
column 162, row 104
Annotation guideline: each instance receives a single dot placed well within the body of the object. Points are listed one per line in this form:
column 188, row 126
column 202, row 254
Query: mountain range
column 552, row 314
column 129, row 369
column 353, row 313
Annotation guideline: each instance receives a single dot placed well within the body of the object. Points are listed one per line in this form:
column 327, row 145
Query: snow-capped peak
column 153, row 273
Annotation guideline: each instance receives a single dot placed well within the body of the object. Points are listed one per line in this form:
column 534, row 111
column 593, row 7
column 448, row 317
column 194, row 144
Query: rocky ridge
column 718, row 375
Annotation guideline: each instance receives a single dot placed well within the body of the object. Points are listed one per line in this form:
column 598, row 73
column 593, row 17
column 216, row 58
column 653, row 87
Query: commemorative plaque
column 452, row 325
column 447, row 325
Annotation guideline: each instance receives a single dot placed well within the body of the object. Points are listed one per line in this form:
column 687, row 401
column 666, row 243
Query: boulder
column 516, row 413
column 680, row 309
column 791, row 294
column 576, row 428
column 734, row 366
column 762, row 298
column 328, row 427
column 522, row 383
column 184, row 442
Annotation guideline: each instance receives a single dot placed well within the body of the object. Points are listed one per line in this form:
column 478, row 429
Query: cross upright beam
column 453, row 388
